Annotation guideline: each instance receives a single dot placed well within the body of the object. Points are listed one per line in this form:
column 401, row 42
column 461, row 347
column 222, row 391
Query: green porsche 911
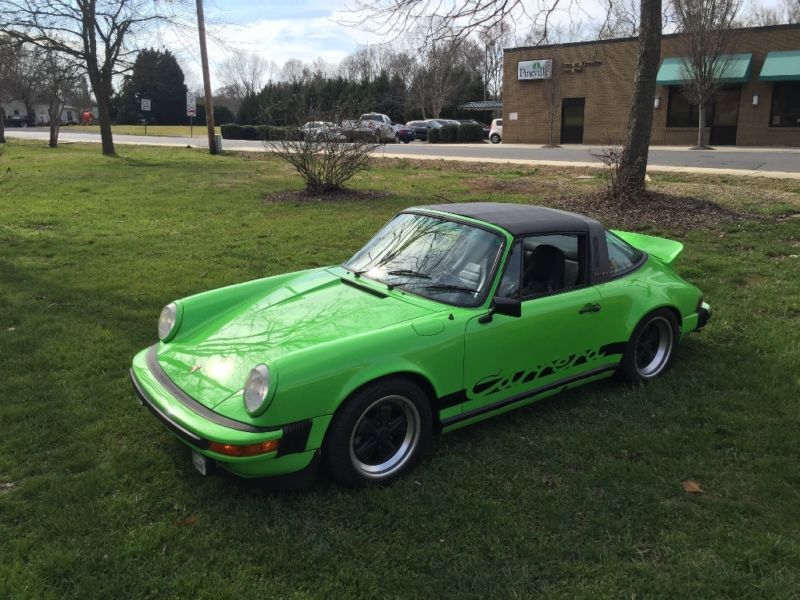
column 451, row 314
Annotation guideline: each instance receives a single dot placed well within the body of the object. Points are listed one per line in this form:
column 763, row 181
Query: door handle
column 589, row 308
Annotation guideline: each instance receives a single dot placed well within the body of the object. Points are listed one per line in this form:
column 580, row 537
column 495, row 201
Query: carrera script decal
column 497, row 382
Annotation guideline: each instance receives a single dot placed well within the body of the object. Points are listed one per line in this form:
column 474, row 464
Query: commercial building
column 585, row 89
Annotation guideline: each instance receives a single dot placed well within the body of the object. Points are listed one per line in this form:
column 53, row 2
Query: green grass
column 156, row 130
column 576, row 496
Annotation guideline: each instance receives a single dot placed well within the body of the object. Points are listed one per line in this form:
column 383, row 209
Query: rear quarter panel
column 627, row 299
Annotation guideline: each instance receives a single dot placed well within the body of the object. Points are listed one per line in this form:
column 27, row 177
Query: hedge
column 452, row 134
column 232, row 131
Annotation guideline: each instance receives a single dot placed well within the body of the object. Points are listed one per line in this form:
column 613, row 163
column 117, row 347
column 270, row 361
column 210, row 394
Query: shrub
column 450, row 134
column 249, row 132
column 325, row 165
column 231, row 131
column 470, row 132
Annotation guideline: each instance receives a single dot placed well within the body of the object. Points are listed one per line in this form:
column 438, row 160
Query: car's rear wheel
column 651, row 349
column 494, row 138
column 378, row 434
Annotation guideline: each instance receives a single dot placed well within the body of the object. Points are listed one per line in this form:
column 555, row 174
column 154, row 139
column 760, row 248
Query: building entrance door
column 572, row 120
column 726, row 117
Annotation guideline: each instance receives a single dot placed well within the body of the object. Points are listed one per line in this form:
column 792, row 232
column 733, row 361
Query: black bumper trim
column 703, row 317
column 295, row 438
column 194, row 405
column 181, row 432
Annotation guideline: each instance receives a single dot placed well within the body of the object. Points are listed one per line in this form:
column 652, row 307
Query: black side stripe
column 194, row 405
column 547, row 388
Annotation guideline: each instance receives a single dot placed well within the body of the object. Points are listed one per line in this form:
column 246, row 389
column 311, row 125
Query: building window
column 785, row 104
column 682, row 113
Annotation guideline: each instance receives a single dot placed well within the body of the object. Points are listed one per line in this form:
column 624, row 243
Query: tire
column 378, row 434
column 407, row 141
column 651, row 349
column 494, row 138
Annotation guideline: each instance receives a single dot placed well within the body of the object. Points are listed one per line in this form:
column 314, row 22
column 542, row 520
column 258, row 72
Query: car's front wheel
column 378, row 434
column 651, row 349
column 494, row 138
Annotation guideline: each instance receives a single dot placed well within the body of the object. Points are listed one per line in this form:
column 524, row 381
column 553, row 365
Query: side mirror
column 511, row 307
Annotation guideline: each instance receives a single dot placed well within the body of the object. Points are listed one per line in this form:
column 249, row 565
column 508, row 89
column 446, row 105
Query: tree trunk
column 700, row 123
column 102, row 94
column 2, row 125
column 633, row 163
column 54, row 115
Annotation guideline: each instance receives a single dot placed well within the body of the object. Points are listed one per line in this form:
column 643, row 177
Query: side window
column 553, row 263
column 621, row 255
column 509, row 284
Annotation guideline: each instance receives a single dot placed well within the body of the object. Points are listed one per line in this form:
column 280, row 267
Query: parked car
column 381, row 124
column 486, row 128
column 451, row 314
column 320, row 131
column 420, row 129
column 404, row 134
column 496, row 131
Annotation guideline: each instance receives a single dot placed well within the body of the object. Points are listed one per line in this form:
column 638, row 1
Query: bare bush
column 324, row 163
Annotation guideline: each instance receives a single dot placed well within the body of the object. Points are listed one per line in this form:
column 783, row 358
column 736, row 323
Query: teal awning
column 781, row 66
column 733, row 68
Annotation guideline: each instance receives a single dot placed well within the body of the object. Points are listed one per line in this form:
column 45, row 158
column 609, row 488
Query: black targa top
column 525, row 219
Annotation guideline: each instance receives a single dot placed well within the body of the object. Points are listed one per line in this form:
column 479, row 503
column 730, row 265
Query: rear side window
column 622, row 256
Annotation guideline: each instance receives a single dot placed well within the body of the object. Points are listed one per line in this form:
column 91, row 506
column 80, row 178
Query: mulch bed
column 653, row 210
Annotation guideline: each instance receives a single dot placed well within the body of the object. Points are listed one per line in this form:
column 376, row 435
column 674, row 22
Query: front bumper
column 195, row 426
column 703, row 316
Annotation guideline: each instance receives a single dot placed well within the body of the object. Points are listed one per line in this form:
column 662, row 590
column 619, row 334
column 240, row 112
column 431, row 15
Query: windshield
column 442, row 260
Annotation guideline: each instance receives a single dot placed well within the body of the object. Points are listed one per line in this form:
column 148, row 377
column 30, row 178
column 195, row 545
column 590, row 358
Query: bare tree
column 93, row 32
column 708, row 30
column 60, row 82
column 293, row 70
column 493, row 40
column 458, row 20
column 788, row 11
column 245, row 73
column 325, row 162
column 8, row 66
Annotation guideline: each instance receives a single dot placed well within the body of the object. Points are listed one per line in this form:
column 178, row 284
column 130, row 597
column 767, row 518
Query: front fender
column 316, row 381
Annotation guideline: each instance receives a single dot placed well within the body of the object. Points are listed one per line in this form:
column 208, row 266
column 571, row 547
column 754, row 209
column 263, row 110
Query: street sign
column 191, row 105
column 145, row 104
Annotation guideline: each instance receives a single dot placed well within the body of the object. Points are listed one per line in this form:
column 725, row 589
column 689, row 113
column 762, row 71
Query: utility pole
column 201, row 29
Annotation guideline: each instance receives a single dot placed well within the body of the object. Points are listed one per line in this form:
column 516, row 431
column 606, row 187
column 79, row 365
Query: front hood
column 314, row 308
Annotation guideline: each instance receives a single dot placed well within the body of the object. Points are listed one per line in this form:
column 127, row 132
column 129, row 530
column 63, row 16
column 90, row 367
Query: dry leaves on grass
column 691, row 486
column 186, row 522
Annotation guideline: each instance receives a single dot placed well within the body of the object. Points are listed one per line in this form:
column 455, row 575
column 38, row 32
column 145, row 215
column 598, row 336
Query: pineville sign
column 534, row 69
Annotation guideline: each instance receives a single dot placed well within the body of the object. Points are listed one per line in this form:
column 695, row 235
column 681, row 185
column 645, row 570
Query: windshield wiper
column 408, row 273
column 450, row 288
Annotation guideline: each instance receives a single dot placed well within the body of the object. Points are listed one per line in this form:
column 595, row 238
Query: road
column 765, row 162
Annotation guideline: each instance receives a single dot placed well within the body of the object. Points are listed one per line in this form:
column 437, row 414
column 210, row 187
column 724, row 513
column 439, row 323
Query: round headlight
column 167, row 320
column 256, row 389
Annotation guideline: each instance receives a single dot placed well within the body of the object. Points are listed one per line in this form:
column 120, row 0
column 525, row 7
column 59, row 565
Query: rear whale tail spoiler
column 663, row 249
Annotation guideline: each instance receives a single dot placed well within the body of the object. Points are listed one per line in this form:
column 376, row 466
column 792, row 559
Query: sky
column 282, row 29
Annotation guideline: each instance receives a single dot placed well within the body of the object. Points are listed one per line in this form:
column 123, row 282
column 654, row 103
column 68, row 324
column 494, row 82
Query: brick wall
column 608, row 89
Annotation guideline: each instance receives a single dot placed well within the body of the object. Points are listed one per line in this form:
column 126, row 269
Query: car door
column 555, row 340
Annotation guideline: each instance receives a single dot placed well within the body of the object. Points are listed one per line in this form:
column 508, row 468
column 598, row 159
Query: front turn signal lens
column 247, row 450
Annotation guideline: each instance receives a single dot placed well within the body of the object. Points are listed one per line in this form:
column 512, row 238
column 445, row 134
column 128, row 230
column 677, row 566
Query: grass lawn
column 576, row 496
column 198, row 131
